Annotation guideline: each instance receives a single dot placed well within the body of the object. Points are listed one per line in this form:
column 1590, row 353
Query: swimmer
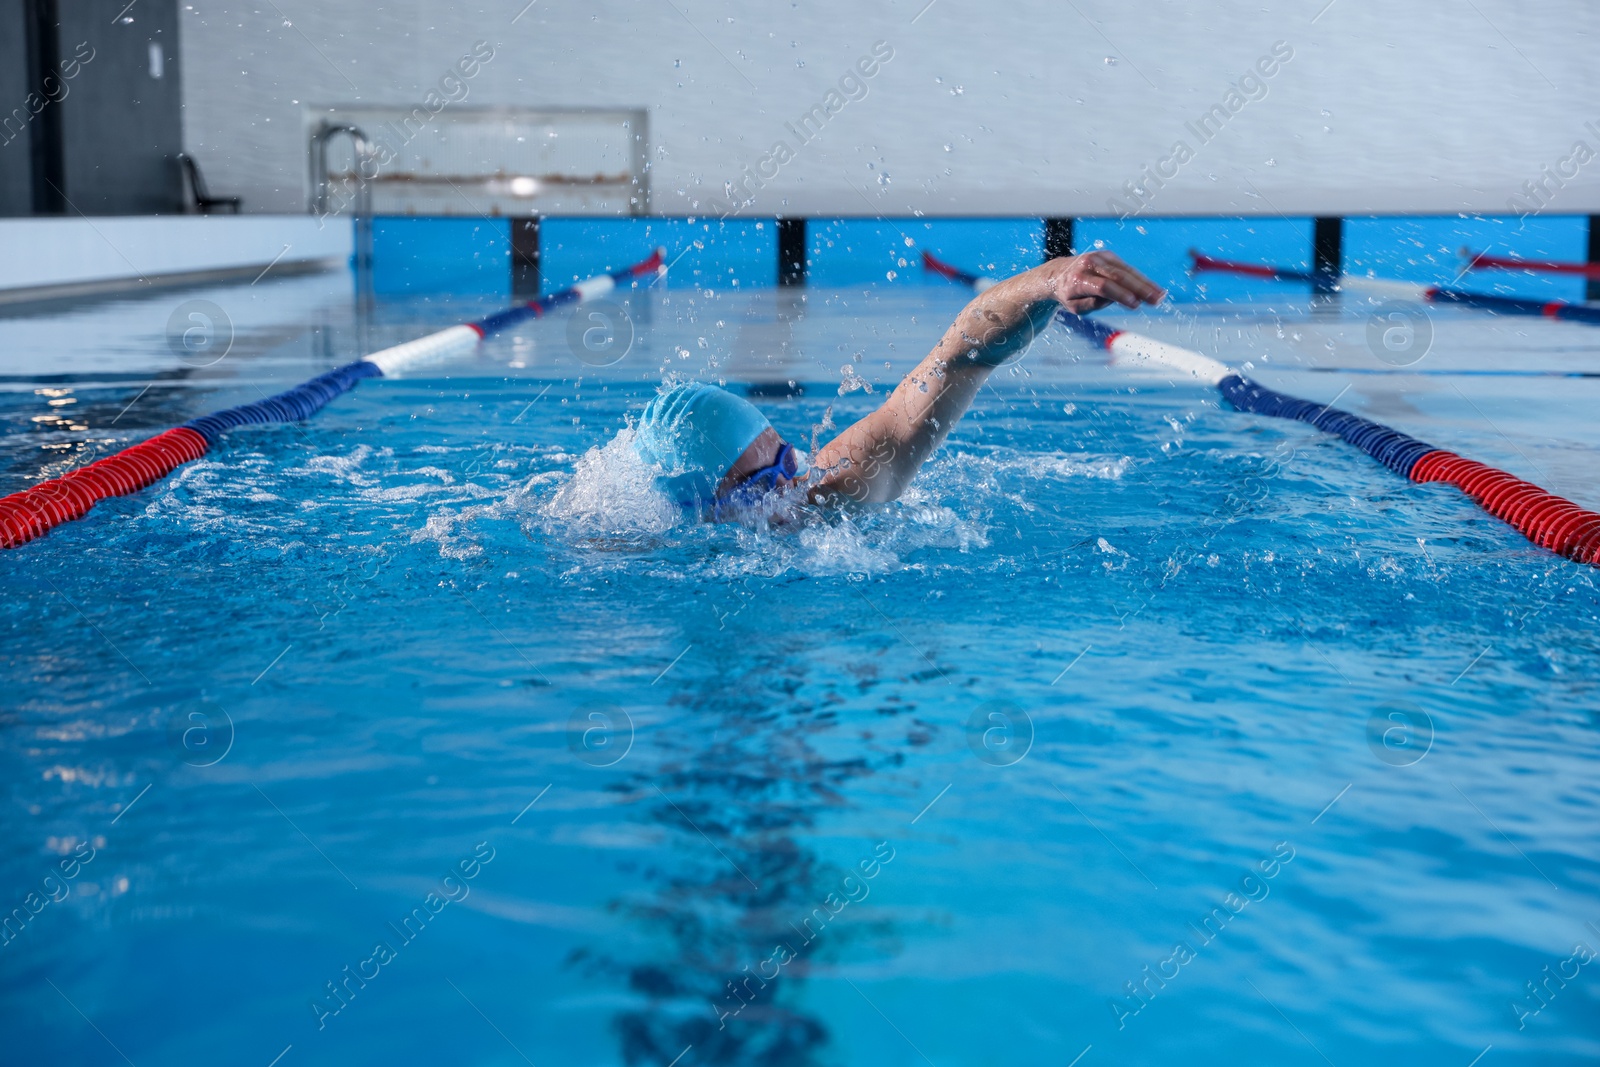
column 718, row 453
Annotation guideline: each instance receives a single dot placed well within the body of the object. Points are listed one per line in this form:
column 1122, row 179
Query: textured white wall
column 1020, row 107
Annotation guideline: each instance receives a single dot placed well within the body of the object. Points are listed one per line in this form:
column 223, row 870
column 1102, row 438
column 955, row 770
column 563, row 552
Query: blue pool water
column 426, row 689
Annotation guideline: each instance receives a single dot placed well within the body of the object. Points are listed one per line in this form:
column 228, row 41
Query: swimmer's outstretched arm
column 875, row 459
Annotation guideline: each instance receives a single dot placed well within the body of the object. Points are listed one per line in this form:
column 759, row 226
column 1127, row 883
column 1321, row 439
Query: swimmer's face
column 763, row 452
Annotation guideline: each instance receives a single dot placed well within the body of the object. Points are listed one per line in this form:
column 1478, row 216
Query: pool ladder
column 366, row 172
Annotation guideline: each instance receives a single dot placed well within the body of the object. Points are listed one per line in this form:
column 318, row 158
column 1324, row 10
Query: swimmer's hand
column 1089, row 282
column 1004, row 319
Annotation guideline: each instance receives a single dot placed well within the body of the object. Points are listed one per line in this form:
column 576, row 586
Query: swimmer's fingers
column 1112, row 266
column 1135, row 282
column 1090, row 292
column 1094, row 279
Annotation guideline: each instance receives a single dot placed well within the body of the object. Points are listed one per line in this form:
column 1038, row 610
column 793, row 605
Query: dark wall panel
column 16, row 190
column 121, row 123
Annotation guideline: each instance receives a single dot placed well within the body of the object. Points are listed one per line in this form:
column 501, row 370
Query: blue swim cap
column 695, row 433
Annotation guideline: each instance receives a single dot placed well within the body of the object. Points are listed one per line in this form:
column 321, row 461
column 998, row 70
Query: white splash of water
column 611, row 491
column 349, row 467
column 1051, row 464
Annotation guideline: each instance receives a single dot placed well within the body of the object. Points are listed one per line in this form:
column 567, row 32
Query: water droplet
column 1272, row 162
column 1111, row 61
column 947, row 148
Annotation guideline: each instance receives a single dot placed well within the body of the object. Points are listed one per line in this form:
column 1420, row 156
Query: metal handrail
column 319, row 167
column 362, row 258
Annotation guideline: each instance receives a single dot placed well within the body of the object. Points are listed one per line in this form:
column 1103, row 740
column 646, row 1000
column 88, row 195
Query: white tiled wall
column 1006, row 106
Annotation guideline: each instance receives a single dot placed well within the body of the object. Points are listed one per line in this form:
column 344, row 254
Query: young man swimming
column 716, row 452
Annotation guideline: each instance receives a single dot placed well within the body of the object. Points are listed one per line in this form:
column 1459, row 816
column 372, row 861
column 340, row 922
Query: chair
column 203, row 200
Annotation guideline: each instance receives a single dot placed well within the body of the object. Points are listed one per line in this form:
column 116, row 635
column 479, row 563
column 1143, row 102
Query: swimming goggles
column 786, row 464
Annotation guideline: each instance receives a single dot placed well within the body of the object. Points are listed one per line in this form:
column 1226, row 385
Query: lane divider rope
column 33, row 512
column 1433, row 294
column 1484, row 261
column 1549, row 521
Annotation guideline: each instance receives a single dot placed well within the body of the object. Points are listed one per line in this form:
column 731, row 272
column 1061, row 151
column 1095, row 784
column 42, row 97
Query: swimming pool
column 1140, row 728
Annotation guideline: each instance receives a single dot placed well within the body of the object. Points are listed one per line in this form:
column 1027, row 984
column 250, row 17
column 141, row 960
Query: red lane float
column 1547, row 520
column 32, row 512
column 1484, row 261
column 1200, row 262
